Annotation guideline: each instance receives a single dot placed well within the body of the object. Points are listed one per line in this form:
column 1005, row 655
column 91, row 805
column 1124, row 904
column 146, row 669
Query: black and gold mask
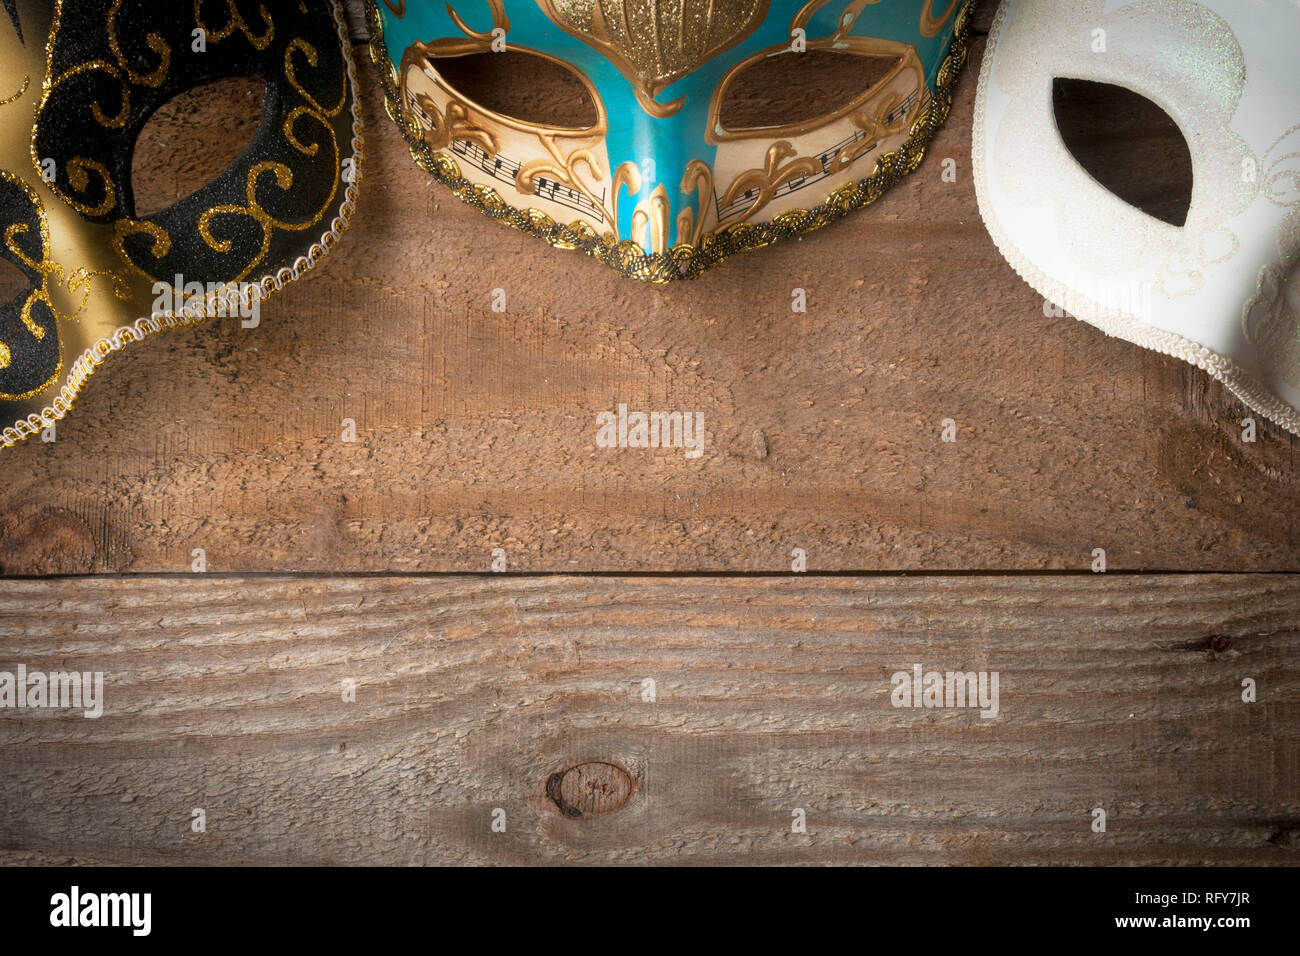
column 79, row 79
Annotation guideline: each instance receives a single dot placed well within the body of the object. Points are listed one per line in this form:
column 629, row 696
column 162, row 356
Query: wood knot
column 1286, row 835
column 45, row 540
column 591, row 789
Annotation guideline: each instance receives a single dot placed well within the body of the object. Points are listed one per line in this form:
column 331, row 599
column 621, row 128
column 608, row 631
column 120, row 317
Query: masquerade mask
column 78, row 81
column 1220, row 291
column 671, row 169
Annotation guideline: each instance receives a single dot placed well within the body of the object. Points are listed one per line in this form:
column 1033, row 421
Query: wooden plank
column 475, row 693
column 476, row 430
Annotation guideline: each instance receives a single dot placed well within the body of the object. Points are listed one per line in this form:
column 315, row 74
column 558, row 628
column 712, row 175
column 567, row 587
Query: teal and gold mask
column 698, row 128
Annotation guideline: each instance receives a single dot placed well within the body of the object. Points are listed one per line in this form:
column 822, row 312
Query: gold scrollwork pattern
column 53, row 278
column 930, row 24
column 451, row 124
column 235, row 21
column 764, row 181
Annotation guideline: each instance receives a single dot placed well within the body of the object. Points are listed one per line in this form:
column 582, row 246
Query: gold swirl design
column 313, row 59
column 652, row 214
column 499, row 22
column 236, row 22
column 698, row 177
column 774, row 173
column 44, row 267
column 930, row 24
column 653, row 107
column 252, row 209
column 297, row 113
column 108, row 122
column 627, row 176
column 843, row 26
column 563, row 168
column 876, row 125
column 307, row 149
column 80, row 279
column 79, row 169
column 52, row 277
column 162, row 243
column 152, row 40
column 452, row 124
column 473, row 41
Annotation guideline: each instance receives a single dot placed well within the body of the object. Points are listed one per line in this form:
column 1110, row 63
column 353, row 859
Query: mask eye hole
column 1128, row 144
column 791, row 88
column 13, row 281
column 521, row 86
column 192, row 139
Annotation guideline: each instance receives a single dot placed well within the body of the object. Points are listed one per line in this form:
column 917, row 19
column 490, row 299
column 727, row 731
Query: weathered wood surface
column 476, row 693
column 476, row 430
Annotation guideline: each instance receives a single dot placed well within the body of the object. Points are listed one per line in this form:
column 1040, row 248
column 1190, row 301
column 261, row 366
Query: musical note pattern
column 831, row 159
column 413, row 104
column 506, row 170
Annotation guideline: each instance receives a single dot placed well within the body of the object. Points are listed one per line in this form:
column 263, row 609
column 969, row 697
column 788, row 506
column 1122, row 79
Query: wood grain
column 524, row 693
column 474, row 693
column 476, row 430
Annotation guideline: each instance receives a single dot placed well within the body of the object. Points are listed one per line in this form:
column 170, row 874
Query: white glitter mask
column 1223, row 290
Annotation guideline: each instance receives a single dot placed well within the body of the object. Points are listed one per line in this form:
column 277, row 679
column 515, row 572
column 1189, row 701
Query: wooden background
column 331, row 561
